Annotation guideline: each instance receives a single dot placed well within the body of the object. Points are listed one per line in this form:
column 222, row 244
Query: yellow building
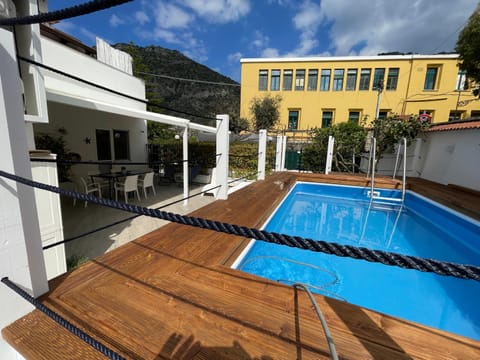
column 319, row 91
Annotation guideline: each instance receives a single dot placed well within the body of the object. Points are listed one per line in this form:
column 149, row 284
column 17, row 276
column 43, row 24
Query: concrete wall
column 445, row 157
column 453, row 157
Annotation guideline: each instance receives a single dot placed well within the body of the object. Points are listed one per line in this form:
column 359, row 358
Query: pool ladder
column 376, row 195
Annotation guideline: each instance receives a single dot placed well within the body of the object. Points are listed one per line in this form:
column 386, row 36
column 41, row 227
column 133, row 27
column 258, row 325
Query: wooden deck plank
column 168, row 295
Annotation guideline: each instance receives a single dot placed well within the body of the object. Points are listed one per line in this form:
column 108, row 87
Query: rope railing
column 62, row 14
column 461, row 271
column 118, row 222
column 97, row 345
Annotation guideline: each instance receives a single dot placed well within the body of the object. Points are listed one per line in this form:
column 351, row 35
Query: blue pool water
column 421, row 228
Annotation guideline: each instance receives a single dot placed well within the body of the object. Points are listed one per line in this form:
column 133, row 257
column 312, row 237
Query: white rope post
column 280, row 153
column 262, row 153
column 284, row 149
column 185, row 166
column 223, row 143
column 328, row 164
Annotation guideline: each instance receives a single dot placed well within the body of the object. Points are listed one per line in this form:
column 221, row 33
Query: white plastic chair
column 147, row 182
column 127, row 186
column 87, row 188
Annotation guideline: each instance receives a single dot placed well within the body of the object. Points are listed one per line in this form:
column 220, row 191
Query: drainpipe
column 404, row 106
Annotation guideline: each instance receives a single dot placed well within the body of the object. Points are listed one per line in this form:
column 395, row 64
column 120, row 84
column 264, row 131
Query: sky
column 218, row 33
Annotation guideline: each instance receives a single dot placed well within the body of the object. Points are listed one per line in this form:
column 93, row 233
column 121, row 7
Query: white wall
column 83, row 66
column 445, row 157
column 453, row 157
column 21, row 257
column 81, row 123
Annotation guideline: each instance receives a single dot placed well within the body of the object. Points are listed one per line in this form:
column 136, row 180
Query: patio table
column 113, row 176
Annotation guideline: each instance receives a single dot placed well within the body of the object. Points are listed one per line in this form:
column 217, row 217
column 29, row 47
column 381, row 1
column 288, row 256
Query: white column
column 262, row 153
column 21, row 257
column 185, row 166
column 280, row 154
column 223, row 143
column 284, row 147
column 328, row 164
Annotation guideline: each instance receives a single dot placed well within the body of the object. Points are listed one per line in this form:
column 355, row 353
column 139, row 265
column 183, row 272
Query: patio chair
column 147, row 182
column 127, row 186
column 87, row 188
column 90, row 179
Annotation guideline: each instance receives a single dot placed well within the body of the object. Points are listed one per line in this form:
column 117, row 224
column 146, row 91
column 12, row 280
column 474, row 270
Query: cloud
column 416, row 26
column 307, row 21
column 219, row 11
column 90, row 35
column 234, row 58
column 65, row 26
column 260, row 40
column 270, row 53
column 115, row 21
column 169, row 16
column 141, row 17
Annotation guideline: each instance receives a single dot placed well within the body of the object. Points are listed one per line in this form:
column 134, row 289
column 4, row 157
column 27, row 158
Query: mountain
column 212, row 94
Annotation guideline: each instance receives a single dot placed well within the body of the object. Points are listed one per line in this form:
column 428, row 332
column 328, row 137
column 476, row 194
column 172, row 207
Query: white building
column 94, row 122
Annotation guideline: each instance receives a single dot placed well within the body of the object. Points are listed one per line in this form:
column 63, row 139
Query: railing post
column 185, row 166
column 222, row 149
column 328, row 164
column 279, row 153
column 262, row 153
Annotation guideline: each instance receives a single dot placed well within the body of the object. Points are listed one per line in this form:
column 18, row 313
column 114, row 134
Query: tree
column 391, row 130
column 238, row 124
column 266, row 113
column 468, row 46
column 349, row 142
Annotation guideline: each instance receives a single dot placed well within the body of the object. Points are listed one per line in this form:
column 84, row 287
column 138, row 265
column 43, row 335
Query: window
column 475, row 114
column 392, row 78
column 275, row 80
column 456, row 115
column 382, row 115
column 365, row 79
column 312, row 80
column 327, row 117
column 431, row 78
column 287, row 80
column 293, row 120
column 263, row 80
column 351, row 80
column 325, row 80
column 120, row 145
column 102, row 138
column 378, row 78
column 462, row 83
column 425, row 115
column 354, row 116
column 300, row 80
column 338, row 80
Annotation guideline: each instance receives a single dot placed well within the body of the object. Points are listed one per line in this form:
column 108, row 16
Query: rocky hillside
column 203, row 98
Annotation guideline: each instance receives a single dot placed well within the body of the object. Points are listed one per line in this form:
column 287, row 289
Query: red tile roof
column 457, row 125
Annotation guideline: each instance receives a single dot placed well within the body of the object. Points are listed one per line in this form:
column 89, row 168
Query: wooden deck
column 171, row 295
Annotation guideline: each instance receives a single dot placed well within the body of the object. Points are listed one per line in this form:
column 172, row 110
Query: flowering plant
column 391, row 130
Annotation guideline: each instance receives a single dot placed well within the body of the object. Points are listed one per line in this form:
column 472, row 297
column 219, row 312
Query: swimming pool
column 343, row 214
